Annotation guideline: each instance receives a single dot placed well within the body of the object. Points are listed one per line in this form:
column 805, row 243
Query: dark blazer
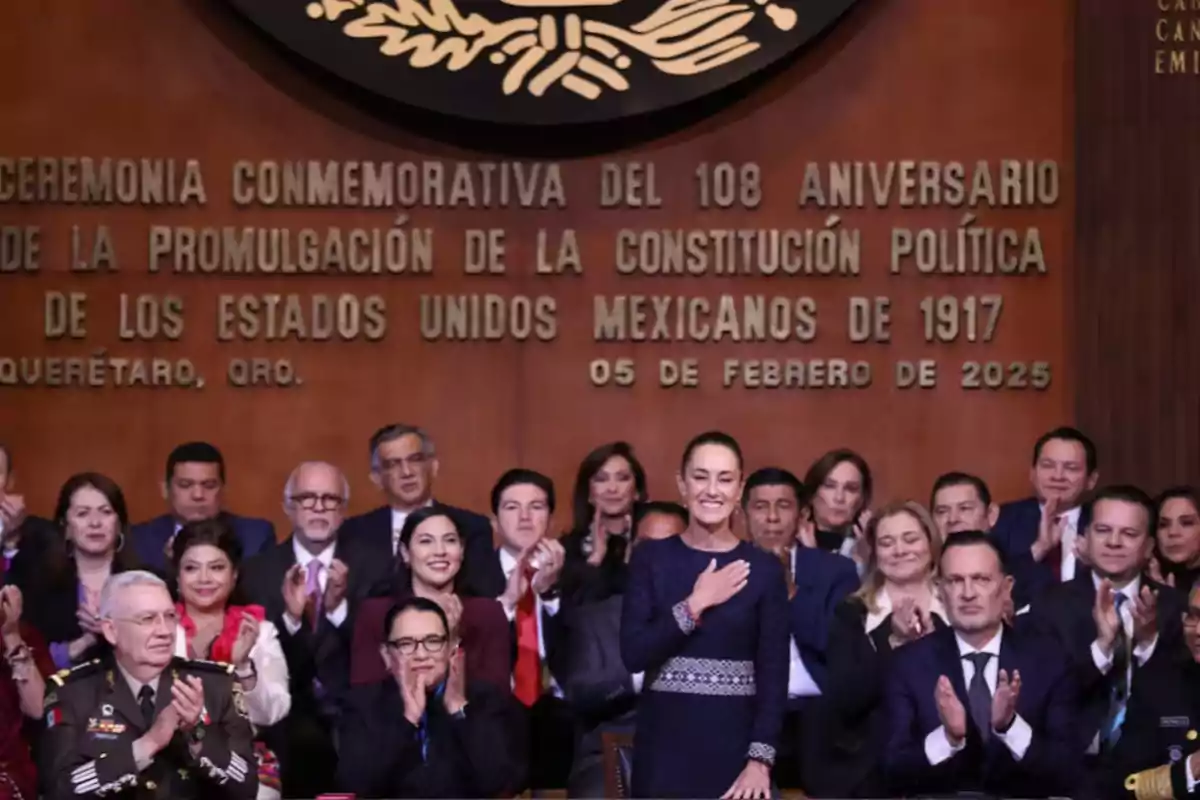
column 584, row 583
column 1064, row 612
column 846, row 761
column 310, row 652
column 150, row 538
column 1015, row 531
column 317, row 658
column 1050, row 766
column 1161, row 716
column 483, row 629
column 597, row 687
column 37, row 534
column 93, row 719
column 483, row 754
column 823, row 580
column 480, row 576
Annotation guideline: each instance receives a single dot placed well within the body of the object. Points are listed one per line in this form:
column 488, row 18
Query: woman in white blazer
column 206, row 556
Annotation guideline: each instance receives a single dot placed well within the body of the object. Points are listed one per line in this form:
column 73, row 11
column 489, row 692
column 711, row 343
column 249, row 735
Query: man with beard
column 980, row 707
column 143, row 723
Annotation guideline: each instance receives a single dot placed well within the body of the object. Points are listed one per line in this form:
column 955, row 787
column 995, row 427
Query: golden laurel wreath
column 584, row 56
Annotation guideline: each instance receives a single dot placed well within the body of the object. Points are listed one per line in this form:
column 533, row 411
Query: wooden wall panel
column 1138, row 242
column 899, row 79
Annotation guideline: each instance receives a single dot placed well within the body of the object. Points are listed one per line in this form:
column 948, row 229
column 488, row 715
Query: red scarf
column 222, row 646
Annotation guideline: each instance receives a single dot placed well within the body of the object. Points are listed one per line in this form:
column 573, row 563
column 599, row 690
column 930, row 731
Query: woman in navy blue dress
column 705, row 618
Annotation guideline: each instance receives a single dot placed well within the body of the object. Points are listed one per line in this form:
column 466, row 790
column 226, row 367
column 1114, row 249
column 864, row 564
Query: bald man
column 310, row 585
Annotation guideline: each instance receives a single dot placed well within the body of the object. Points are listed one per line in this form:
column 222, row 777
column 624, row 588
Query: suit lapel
column 1010, row 656
column 950, row 663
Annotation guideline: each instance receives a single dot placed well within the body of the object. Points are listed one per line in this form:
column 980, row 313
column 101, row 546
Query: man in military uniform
column 143, row 724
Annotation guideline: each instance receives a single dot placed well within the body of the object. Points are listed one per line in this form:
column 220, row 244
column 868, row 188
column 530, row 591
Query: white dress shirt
column 1141, row 652
column 1017, row 738
column 508, row 562
column 398, row 518
column 1070, row 530
column 335, row 616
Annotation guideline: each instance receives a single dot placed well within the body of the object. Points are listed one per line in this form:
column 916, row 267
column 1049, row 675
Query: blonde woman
column 897, row 604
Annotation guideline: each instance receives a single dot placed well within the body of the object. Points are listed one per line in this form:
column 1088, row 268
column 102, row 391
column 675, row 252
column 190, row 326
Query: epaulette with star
column 64, row 676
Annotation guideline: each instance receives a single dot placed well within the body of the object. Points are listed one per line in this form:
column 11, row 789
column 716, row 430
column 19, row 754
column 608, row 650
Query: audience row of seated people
column 764, row 633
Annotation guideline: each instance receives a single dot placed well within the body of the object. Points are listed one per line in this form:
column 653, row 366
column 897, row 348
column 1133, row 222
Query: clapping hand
column 335, row 586
column 413, row 684
column 247, row 635
column 1050, row 530
column 950, row 711
column 1004, row 701
column 549, row 557
column 454, row 698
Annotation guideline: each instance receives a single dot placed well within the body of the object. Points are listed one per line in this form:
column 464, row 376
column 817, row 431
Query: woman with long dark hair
column 431, row 549
column 61, row 584
column 705, row 617
column 839, row 485
column 608, row 486
column 1177, row 538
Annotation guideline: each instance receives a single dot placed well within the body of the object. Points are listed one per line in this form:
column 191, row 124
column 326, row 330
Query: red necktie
column 527, row 673
column 1054, row 558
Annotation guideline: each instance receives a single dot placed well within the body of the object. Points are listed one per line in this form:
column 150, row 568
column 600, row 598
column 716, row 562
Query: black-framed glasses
column 408, row 645
column 318, row 502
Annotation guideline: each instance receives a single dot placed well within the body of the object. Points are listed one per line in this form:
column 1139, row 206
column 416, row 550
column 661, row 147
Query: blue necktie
column 423, row 727
column 1111, row 733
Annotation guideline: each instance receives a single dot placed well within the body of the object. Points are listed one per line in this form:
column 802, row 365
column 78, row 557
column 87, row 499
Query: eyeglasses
column 318, row 502
column 407, row 646
column 167, row 618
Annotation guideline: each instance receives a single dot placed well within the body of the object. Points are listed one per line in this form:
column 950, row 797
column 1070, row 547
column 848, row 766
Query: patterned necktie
column 979, row 695
column 1120, row 671
column 312, row 586
column 146, row 704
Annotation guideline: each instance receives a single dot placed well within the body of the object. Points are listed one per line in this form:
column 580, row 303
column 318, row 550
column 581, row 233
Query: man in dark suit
column 194, row 484
column 429, row 730
column 817, row 581
column 960, row 502
column 978, row 706
column 310, row 585
column 18, row 530
column 1038, row 535
column 1159, row 753
column 404, row 465
column 142, row 723
column 601, row 692
column 1116, row 625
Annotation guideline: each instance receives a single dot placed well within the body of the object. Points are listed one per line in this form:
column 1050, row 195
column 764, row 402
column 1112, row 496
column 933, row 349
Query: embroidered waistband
column 711, row 676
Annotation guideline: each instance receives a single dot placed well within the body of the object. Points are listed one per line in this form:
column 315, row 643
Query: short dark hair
column 820, row 469
column 392, row 432
column 970, row 538
column 711, row 437
column 667, row 508
column 773, row 476
column 218, row 532
column 1125, row 493
column 413, row 603
column 195, row 453
column 519, row 477
column 948, row 479
column 1068, row 434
